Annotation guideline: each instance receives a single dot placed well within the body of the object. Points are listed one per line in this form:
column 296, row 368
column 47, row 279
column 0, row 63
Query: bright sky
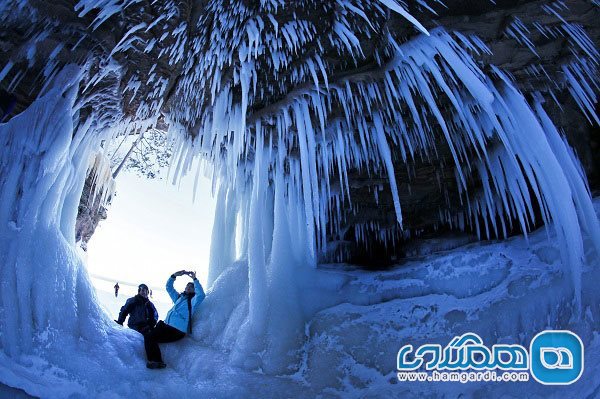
column 153, row 229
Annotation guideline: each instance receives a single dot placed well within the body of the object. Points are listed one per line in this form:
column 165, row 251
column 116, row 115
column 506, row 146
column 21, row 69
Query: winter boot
column 155, row 365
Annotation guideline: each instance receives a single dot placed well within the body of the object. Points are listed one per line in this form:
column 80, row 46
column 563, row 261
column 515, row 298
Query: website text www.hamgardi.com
column 554, row 357
column 462, row 376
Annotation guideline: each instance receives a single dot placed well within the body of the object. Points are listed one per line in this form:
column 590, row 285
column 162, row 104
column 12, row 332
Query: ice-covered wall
column 284, row 111
column 491, row 129
column 45, row 292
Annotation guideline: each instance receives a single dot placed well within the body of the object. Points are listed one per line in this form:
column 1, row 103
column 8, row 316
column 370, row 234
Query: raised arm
column 171, row 290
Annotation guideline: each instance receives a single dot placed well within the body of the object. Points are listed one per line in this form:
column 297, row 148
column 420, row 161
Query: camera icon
column 556, row 357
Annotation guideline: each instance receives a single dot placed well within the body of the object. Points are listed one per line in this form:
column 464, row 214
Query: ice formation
column 45, row 289
column 282, row 167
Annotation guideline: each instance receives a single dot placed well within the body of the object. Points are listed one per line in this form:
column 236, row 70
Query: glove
column 121, row 324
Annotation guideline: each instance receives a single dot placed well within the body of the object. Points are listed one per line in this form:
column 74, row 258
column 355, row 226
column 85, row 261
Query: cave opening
column 152, row 229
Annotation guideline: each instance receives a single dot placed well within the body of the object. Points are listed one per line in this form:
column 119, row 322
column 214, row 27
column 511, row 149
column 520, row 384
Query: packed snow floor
column 504, row 291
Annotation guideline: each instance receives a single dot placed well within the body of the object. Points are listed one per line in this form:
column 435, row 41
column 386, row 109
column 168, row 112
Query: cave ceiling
column 162, row 60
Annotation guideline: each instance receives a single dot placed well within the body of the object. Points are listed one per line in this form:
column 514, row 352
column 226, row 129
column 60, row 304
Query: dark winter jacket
column 142, row 313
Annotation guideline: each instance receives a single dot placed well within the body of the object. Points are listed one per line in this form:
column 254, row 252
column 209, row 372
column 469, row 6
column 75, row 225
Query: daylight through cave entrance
column 152, row 229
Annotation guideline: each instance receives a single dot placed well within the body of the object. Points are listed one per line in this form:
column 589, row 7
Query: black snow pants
column 162, row 333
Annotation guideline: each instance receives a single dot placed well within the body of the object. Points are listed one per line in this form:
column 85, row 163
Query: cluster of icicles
column 395, row 112
column 284, row 172
column 516, row 146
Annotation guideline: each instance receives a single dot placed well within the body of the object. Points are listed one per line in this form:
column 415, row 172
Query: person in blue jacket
column 178, row 322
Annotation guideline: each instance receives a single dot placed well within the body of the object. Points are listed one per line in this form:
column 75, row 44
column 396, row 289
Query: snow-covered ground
column 504, row 291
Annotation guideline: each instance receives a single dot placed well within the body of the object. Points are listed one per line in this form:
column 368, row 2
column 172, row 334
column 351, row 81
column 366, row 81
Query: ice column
column 43, row 165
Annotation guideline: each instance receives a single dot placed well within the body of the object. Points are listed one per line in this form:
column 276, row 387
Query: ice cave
column 386, row 173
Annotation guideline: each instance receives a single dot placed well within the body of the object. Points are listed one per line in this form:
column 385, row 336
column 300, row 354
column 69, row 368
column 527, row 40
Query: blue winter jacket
column 178, row 316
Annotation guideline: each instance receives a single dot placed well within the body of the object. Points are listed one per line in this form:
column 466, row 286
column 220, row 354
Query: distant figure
column 142, row 313
column 178, row 321
column 150, row 293
column 117, row 289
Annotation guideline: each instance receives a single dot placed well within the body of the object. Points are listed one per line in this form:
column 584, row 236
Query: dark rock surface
column 92, row 210
column 13, row 393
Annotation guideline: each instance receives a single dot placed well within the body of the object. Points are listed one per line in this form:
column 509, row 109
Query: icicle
column 393, row 5
column 257, row 278
column 307, row 175
column 386, row 155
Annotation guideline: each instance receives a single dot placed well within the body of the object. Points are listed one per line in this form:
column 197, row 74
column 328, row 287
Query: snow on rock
column 504, row 291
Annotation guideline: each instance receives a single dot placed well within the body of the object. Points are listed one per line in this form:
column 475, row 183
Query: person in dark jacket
column 178, row 321
column 142, row 312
